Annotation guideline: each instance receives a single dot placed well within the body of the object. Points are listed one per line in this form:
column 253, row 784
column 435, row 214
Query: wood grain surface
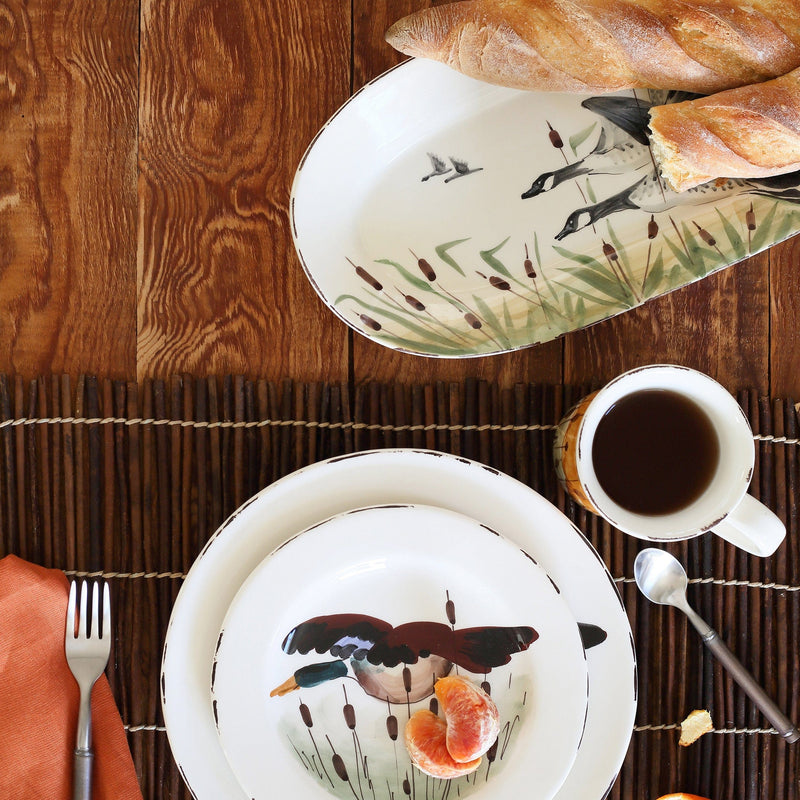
column 231, row 94
column 147, row 152
column 68, row 99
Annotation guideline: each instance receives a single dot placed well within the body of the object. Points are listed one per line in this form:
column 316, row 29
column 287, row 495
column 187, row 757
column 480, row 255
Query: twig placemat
column 130, row 480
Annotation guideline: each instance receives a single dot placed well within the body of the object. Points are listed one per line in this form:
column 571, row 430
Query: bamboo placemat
column 131, row 480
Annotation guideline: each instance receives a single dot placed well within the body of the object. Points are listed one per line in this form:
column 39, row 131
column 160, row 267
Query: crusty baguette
column 749, row 132
column 699, row 46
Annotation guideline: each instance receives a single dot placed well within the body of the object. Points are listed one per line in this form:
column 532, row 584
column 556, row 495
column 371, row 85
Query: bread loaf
column 749, row 132
column 700, row 46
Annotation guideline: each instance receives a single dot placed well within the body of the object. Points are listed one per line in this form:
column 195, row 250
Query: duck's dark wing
column 474, row 649
column 342, row 635
column 489, row 647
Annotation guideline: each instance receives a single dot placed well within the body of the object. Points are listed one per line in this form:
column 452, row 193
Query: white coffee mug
column 723, row 507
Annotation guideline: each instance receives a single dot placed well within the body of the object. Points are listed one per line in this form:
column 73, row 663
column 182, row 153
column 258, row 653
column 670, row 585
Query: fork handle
column 82, row 775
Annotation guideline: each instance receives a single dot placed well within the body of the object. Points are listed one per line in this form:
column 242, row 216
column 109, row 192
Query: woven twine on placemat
column 131, row 480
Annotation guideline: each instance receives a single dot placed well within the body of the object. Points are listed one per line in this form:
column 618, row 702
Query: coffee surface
column 655, row 452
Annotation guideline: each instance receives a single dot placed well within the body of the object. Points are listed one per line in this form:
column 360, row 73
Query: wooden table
column 146, row 155
column 147, row 151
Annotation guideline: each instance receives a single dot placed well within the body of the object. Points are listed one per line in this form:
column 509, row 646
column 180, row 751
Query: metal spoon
column 662, row 579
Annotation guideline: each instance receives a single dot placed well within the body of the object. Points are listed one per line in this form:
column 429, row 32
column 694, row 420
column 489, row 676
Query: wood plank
column 718, row 325
column 785, row 320
column 372, row 56
column 231, row 94
column 68, row 95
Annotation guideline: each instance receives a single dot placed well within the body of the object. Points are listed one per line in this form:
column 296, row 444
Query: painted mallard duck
column 399, row 664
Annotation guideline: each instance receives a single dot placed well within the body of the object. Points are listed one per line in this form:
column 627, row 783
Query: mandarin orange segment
column 426, row 740
column 473, row 720
column 681, row 796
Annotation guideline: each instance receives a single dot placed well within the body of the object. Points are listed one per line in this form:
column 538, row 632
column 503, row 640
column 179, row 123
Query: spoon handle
column 779, row 720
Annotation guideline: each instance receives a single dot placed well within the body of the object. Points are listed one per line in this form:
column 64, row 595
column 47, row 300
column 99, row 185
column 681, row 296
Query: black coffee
column 655, row 452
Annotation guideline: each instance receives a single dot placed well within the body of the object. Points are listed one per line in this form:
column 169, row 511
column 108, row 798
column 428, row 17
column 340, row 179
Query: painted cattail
column 391, row 727
column 652, row 227
column 407, row 679
column 369, row 322
column 425, row 268
column 305, row 713
column 528, row 264
column 555, row 139
column 414, row 303
column 750, row 219
column 499, row 283
column 609, row 252
column 433, row 705
column 365, row 276
column 349, row 715
column 706, row 236
column 338, row 765
column 472, row 320
column 450, row 610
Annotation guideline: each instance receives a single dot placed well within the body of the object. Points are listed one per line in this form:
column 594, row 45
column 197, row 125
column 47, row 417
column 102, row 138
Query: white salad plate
column 326, row 627
column 446, row 217
column 380, row 477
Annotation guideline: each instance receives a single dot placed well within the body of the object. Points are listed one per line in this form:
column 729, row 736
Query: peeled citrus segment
column 473, row 721
column 681, row 796
column 426, row 740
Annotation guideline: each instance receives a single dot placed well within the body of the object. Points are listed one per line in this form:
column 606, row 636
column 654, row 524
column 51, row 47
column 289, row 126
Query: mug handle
column 753, row 527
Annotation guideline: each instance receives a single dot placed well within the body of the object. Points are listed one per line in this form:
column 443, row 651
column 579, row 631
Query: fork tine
column 83, row 627
column 106, row 611
column 73, row 590
column 94, row 632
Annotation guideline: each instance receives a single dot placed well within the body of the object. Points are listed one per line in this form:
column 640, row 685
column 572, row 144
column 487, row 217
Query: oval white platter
column 349, row 624
column 409, row 218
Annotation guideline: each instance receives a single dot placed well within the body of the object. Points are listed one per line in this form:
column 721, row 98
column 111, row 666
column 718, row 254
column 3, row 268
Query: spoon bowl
column 660, row 577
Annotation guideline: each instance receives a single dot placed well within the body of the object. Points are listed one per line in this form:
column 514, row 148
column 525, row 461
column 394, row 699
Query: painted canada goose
column 462, row 169
column 438, row 167
column 622, row 144
column 649, row 194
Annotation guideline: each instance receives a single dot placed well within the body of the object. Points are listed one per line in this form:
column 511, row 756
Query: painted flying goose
column 622, row 144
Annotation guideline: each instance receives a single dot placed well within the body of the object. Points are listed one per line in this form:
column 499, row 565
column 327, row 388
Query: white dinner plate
column 346, row 608
column 374, row 478
column 446, row 217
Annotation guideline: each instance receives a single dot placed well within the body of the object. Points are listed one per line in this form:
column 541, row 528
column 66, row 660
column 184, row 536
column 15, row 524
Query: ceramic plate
column 376, row 478
column 443, row 216
column 349, row 624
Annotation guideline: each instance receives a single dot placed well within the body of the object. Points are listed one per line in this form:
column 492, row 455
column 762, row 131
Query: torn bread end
column 694, row 726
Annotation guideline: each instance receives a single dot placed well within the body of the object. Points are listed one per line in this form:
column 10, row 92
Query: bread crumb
column 694, row 726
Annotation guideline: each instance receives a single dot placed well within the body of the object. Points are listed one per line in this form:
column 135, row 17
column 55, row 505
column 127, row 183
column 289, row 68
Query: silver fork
column 87, row 646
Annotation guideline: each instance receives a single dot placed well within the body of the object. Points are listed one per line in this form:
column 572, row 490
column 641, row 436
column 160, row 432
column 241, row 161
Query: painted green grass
column 576, row 288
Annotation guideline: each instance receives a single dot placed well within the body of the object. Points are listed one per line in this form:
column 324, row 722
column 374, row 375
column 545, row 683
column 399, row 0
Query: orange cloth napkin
column 39, row 696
